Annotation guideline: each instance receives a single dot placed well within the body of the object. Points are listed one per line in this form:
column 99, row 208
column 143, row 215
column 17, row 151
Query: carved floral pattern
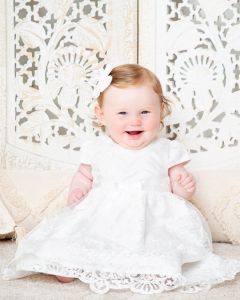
column 202, row 73
column 56, row 61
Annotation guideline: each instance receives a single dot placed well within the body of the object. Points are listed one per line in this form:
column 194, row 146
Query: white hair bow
column 103, row 82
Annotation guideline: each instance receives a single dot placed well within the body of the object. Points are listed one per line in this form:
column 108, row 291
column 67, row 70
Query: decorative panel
column 194, row 47
column 55, row 50
column 3, row 82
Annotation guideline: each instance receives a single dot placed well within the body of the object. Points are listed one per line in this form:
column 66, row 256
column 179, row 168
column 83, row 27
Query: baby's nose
column 136, row 120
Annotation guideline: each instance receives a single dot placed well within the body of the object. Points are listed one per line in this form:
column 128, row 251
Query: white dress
column 130, row 231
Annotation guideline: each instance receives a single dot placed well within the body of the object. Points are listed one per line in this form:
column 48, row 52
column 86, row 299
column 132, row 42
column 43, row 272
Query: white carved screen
column 54, row 49
column 194, row 47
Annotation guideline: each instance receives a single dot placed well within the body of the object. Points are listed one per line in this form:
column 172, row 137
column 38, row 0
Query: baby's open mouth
column 134, row 132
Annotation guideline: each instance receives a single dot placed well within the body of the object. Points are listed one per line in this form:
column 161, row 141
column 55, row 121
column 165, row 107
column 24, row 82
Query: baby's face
column 131, row 115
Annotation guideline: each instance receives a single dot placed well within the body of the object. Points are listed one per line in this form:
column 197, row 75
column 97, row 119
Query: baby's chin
column 133, row 145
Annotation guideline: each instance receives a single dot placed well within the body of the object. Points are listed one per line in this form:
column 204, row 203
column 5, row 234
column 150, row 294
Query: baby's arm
column 80, row 185
column 182, row 182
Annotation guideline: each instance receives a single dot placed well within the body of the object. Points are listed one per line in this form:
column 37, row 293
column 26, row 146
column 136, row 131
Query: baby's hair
column 132, row 75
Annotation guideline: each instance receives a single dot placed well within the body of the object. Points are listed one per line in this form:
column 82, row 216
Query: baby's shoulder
column 173, row 151
column 96, row 144
column 92, row 150
column 168, row 144
column 162, row 142
column 103, row 142
column 168, row 147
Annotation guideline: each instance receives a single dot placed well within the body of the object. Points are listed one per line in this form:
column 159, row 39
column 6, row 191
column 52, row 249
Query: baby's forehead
column 140, row 91
column 138, row 96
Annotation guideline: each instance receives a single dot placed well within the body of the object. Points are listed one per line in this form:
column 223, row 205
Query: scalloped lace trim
column 213, row 270
column 101, row 282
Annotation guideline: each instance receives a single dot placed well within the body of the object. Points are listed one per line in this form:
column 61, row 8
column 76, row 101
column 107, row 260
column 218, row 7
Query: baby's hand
column 75, row 196
column 80, row 185
column 184, row 185
column 182, row 182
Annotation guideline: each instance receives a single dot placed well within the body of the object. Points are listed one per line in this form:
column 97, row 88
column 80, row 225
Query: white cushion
column 218, row 198
column 31, row 195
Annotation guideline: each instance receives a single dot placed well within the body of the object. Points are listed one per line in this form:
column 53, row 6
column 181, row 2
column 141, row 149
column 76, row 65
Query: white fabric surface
column 130, row 231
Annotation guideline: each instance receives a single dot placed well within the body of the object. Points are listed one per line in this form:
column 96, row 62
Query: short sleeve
column 87, row 153
column 177, row 154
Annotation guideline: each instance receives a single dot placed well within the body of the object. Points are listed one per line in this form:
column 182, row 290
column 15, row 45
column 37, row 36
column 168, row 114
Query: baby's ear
column 99, row 114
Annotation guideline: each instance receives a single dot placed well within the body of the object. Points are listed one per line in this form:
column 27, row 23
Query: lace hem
column 101, row 282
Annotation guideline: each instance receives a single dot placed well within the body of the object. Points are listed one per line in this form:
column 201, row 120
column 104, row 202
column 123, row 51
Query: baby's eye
column 144, row 112
column 122, row 113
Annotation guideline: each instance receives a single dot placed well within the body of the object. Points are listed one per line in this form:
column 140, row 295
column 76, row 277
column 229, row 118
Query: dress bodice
column 147, row 167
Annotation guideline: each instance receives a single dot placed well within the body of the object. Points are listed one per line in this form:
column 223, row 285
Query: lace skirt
column 148, row 243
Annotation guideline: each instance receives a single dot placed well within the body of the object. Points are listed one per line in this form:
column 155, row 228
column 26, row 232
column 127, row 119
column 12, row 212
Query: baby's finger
column 72, row 201
column 72, row 204
column 187, row 180
column 85, row 172
column 190, row 190
column 189, row 186
column 86, row 181
column 176, row 185
column 75, row 194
